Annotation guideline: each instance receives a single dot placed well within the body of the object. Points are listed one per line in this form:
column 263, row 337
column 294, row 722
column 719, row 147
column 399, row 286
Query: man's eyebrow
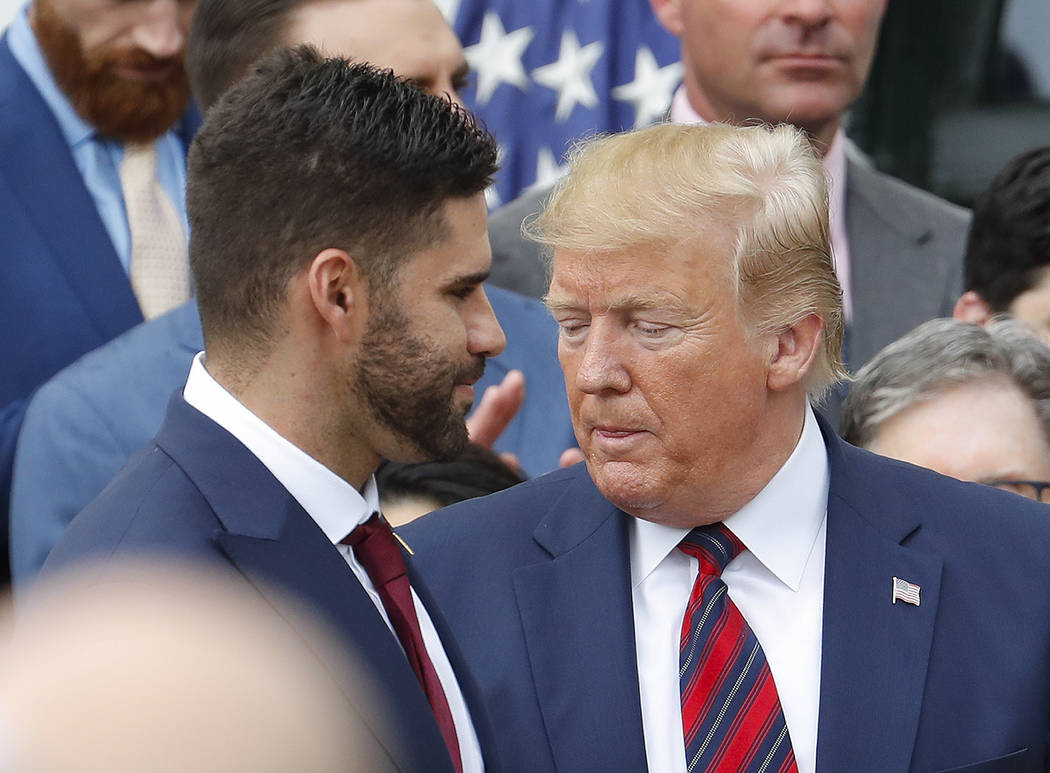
column 478, row 277
column 630, row 302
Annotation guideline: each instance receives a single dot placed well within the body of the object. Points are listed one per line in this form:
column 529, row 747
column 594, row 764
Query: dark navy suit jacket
column 63, row 290
column 536, row 584
column 198, row 494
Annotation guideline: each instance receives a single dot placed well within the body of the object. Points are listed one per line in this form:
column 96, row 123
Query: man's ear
column 337, row 289
column 972, row 308
column 669, row 14
column 795, row 353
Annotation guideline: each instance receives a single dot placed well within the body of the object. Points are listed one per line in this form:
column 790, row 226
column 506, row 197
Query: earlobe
column 795, row 352
column 669, row 14
column 336, row 291
column 972, row 308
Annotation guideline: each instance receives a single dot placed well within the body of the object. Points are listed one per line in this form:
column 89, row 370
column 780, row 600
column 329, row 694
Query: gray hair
column 941, row 354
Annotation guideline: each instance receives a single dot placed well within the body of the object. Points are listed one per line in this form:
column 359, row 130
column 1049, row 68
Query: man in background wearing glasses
column 966, row 401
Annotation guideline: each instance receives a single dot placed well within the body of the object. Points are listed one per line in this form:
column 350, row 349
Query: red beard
column 119, row 107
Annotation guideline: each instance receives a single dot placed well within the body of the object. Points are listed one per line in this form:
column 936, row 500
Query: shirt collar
column 335, row 505
column 27, row 52
column 779, row 526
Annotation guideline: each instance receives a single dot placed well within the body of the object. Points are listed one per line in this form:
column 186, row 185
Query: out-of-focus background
column 957, row 89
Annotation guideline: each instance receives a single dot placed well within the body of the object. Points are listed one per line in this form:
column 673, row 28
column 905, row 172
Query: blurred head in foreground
column 967, row 401
column 161, row 669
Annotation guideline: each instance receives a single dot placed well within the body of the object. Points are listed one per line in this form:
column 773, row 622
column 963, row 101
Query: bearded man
column 94, row 129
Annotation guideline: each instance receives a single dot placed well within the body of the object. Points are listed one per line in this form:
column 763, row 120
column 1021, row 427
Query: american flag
column 548, row 72
column 905, row 591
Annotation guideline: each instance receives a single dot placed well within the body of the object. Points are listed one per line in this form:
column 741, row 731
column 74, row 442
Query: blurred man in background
column 1008, row 252
column 966, row 401
column 95, row 127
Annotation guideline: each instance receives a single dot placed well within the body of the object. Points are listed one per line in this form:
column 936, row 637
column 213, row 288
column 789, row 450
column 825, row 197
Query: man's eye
column 464, row 292
column 572, row 328
column 651, row 331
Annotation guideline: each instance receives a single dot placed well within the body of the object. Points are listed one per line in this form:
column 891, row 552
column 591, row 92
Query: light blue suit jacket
column 87, row 421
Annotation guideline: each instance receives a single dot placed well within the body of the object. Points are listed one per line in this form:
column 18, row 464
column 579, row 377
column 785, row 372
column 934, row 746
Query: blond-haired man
column 725, row 585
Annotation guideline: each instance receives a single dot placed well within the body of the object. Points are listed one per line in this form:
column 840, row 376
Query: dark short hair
column 227, row 37
column 1009, row 244
column 477, row 471
column 308, row 153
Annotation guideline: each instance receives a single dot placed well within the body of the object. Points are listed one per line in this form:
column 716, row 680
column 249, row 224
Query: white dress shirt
column 777, row 583
column 336, row 507
column 834, row 167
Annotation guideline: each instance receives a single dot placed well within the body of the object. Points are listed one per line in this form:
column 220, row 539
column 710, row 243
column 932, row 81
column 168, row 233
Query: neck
column 298, row 401
column 821, row 134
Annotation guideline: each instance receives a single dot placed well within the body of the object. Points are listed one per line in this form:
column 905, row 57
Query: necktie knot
column 714, row 546
column 375, row 547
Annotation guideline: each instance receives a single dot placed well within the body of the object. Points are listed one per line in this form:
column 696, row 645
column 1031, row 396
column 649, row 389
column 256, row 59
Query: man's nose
column 160, row 32
column 484, row 335
column 601, row 366
column 809, row 13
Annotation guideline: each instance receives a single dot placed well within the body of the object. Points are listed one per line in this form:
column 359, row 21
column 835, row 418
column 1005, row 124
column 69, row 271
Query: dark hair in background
column 227, row 37
column 474, row 473
column 308, row 153
column 1009, row 244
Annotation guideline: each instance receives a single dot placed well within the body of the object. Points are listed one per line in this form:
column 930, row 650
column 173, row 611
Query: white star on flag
column 652, row 88
column 548, row 169
column 570, row 76
column 496, row 57
column 449, row 9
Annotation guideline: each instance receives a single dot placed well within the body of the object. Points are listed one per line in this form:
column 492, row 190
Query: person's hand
column 499, row 404
column 570, row 457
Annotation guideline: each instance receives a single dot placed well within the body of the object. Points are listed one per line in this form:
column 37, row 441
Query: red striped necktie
column 375, row 547
column 731, row 713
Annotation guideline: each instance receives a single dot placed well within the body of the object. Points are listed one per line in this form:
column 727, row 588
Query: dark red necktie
column 376, row 548
column 731, row 712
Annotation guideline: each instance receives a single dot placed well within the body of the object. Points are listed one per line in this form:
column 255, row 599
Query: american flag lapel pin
column 905, row 591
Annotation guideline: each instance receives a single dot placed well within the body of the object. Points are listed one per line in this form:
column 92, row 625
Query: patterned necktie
column 160, row 273
column 375, row 547
column 731, row 713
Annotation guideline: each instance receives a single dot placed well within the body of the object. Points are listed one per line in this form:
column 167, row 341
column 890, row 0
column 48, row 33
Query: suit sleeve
column 65, row 456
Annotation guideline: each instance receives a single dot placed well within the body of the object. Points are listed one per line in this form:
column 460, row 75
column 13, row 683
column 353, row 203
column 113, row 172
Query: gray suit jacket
column 906, row 249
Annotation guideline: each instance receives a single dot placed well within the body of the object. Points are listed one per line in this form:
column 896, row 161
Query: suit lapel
column 895, row 282
column 587, row 685
column 468, row 686
column 38, row 168
column 275, row 544
column 875, row 653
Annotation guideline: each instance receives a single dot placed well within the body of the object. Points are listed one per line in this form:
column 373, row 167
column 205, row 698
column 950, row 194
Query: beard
column 118, row 107
column 408, row 384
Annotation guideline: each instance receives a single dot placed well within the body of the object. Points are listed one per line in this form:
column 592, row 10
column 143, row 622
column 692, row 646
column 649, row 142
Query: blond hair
column 664, row 185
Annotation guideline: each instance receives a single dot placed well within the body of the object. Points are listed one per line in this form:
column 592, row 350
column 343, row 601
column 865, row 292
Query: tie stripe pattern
column 731, row 713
